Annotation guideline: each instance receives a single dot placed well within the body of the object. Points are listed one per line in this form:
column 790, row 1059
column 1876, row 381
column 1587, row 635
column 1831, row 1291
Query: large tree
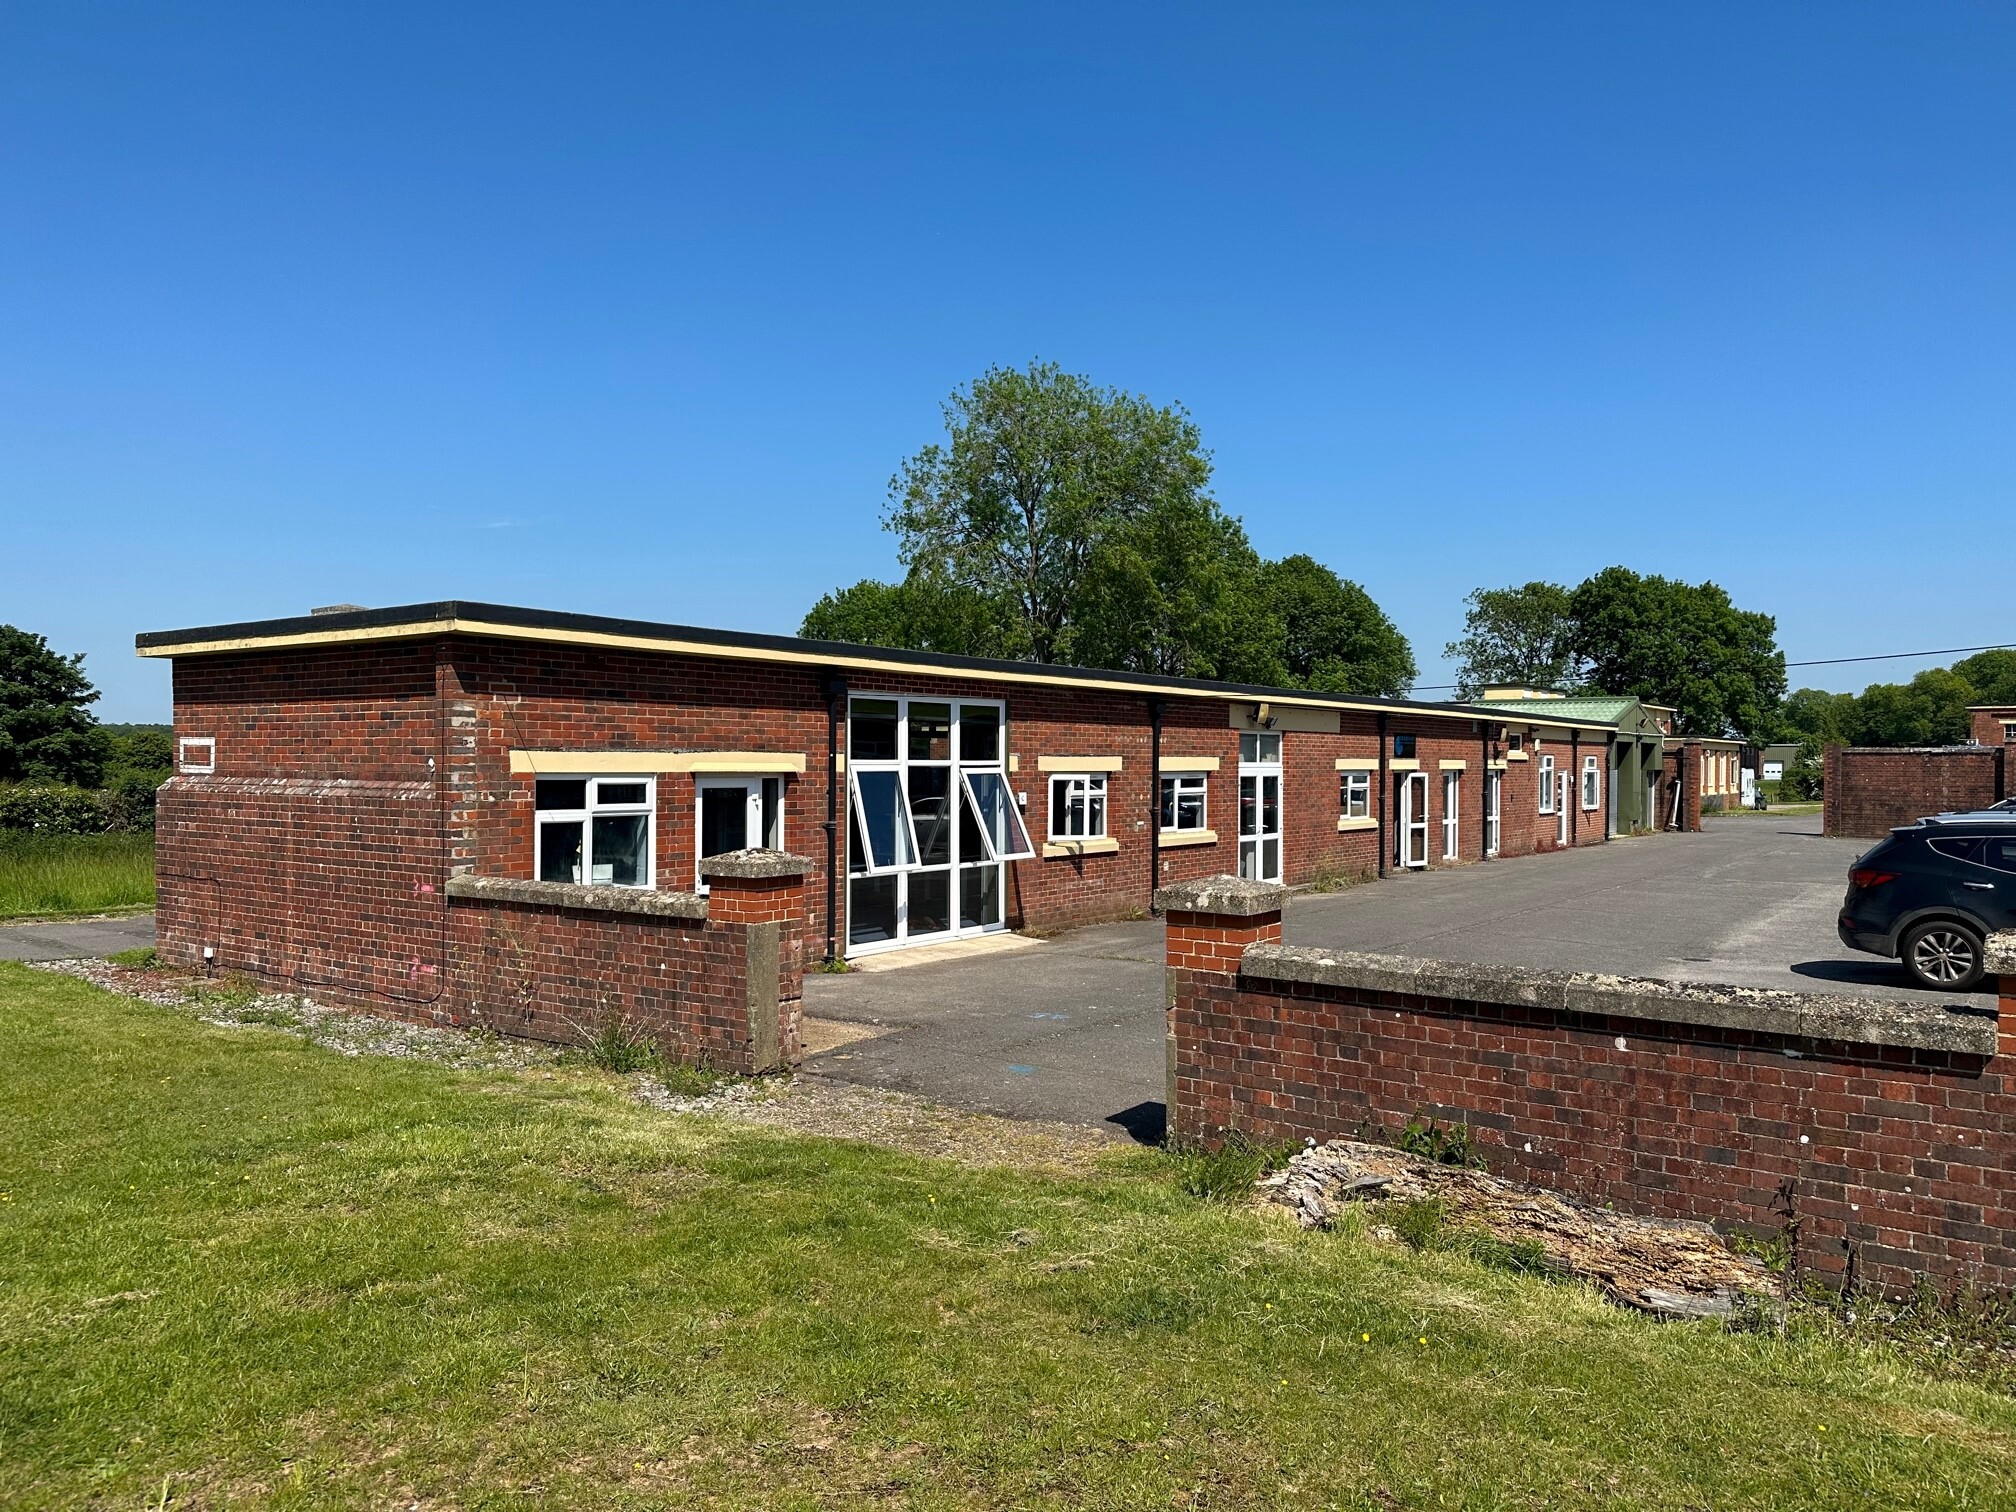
column 1523, row 636
column 919, row 613
column 1333, row 636
column 1990, row 675
column 46, row 729
column 1929, row 710
column 1682, row 644
column 1817, row 718
column 1038, row 471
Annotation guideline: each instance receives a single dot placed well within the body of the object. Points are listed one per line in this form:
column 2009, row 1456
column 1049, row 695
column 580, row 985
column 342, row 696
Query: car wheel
column 1945, row 957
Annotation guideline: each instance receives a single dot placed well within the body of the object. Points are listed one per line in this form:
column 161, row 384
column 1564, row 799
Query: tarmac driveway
column 1071, row 1028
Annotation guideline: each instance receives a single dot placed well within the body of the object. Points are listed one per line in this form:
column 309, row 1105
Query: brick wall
column 1904, row 1151
column 1994, row 726
column 1870, row 790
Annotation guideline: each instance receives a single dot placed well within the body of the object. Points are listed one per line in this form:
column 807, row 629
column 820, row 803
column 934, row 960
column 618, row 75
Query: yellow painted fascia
column 603, row 763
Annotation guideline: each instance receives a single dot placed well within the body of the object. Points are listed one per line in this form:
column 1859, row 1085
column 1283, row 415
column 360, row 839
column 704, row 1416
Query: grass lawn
column 41, row 875
column 236, row 1268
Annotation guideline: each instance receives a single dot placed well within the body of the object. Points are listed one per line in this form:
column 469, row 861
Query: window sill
column 595, row 898
column 1345, row 824
column 1174, row 839
column 1516, row 756
column 1102, row 845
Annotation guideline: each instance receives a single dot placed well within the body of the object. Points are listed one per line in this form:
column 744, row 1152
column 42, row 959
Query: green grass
column 238, row 1269
column 41, row 875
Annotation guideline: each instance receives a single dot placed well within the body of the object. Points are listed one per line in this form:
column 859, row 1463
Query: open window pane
column 884, row 819
column 1000, row 821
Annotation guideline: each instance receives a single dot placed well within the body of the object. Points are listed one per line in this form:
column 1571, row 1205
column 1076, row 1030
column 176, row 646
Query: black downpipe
column 836, row 693
column 1157, row 707
column 1385, row 782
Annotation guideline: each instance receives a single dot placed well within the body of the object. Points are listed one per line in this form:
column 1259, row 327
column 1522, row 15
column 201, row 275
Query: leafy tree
column 918, row 613
column 1334, row 637
column 1991, row 675
column 1931, row 709
column 1682, row 644
column 46, row 729
column 1523, row 635
column 1178, row 590
column 1818, row 718
column 1040, row 469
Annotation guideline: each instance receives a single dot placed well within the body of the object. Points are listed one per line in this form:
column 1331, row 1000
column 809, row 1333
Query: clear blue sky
column 634, row 310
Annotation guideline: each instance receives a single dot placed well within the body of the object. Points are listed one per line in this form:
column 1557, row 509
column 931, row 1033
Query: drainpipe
column 1385, row 781
column 835, row 689
column 1157, row 707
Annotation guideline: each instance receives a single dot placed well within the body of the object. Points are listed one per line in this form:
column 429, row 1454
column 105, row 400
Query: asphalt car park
column 1071, row 1028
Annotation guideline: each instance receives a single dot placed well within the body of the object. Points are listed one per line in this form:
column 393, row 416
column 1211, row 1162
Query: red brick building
column 1993, row 724
column 336, row 771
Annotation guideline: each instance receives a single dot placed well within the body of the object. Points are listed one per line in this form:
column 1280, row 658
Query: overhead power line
column 1823, row 661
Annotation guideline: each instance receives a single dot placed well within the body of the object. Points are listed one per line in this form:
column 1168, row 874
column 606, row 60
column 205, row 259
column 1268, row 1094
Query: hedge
column 49, row 809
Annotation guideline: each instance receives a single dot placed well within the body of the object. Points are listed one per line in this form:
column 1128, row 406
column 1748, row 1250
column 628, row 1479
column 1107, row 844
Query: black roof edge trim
column 812, row 650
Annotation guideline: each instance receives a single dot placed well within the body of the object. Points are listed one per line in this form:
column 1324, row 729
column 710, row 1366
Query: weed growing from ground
column 1450, row 1145
column 617, row 1047
column 146, row 958
column 1227, row 1173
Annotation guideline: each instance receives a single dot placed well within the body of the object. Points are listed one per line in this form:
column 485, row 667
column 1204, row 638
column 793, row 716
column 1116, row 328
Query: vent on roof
column 337, row 609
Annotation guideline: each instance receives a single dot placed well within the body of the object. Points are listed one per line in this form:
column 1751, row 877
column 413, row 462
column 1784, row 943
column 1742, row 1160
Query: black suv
column 1932, row 893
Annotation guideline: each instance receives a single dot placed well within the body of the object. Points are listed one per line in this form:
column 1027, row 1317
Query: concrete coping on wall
column 1754, row 1010
column 1232, row 897
column 755, row 865
column 578, row 896
column 2000, row 958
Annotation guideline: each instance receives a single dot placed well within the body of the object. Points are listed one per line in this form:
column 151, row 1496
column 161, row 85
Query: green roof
column 1597, row 710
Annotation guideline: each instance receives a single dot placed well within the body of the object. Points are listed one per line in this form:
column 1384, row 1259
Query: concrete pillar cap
column 1234, row 897
column 755, row 864
column 2001, row 954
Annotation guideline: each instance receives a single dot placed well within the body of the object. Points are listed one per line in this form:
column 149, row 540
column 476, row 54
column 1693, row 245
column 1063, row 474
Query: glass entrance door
column 1260, row 808
column 932, row 823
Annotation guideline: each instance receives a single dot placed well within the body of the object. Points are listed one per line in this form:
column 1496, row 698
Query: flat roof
column 503, row 621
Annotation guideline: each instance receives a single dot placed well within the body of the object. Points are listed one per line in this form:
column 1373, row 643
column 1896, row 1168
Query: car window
column 1960, row 848
column 2000, row 853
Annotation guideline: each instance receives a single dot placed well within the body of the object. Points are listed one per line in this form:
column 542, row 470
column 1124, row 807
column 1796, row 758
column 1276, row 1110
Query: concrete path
column 1068, row 1030
column 66, row 939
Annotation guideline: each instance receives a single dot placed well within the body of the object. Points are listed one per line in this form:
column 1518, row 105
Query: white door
column 737, row 813
column 1414, row 819
column 1493, row 795
column 1452, row 836
column 1563, row 792
column 1260, row 823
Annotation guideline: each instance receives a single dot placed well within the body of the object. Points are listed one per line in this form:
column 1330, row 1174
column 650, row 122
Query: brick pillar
column 1693, row 762
column 1210, row 923
column 759, row 895
column 2001, row 963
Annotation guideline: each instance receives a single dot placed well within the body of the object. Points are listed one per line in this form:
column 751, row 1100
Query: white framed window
column 1516, row 741
column 1078, row 806
column 1260, row 750
column 996, row 820
column 1592, row 782
column 1354, row 794
column 601, row 831
column 1546, row 784
column 1184, row 801
column 196, row 754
